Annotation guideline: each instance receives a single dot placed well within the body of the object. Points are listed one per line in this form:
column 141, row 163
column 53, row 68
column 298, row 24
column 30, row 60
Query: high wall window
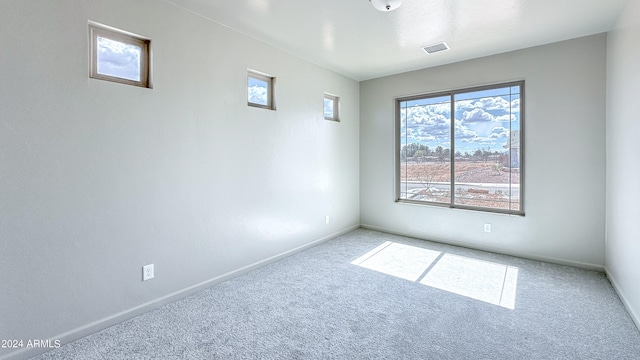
column 260, row 90
column 119, row 56
column 331, row 107
column 462, row 149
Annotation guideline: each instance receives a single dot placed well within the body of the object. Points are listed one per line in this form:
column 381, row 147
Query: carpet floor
column 371, row 295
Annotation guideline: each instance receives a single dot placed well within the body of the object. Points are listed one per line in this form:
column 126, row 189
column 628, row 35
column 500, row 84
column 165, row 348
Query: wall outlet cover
column 147, row 272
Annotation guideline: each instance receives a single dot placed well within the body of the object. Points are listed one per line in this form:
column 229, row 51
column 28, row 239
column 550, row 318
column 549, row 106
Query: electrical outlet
column 147, row 272
column 487, row 227
column 326, row 219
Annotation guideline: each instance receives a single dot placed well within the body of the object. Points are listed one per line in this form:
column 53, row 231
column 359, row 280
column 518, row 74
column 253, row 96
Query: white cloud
column 444, row 108
column 258, row 95
column 515, row 106
column 499, row 133
column 478, row 124
column 118, row 59
column 487, row 103
column 328, row 107
column 464, row 133
column 492, row 103
column 506, row 118
column 428, row 124
column 477, row 116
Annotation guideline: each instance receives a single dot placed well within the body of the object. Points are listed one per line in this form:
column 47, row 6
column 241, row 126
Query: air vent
column 430, row 49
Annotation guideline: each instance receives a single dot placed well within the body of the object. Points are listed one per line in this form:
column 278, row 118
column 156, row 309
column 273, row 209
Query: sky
column 257, row 91
column 118, row 59
column 483, row 120
column 328, row 108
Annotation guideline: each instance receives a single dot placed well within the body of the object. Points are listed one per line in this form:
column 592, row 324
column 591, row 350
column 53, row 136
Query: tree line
column 420, row 151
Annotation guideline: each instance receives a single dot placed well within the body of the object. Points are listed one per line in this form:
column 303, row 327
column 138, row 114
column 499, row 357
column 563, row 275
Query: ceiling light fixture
column 386, row 5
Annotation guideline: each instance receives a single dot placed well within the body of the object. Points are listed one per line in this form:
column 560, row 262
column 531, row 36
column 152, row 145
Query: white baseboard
column 623, row 298
column 88, row 329
column 565, row 262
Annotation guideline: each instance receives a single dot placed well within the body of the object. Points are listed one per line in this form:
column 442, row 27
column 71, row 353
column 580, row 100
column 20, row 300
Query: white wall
column 623, row 166
column 98, row 179
column 564, row 154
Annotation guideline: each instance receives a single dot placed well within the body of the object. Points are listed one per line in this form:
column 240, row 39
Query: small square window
column 260, row 90
column 331, row 107
column 119, row 57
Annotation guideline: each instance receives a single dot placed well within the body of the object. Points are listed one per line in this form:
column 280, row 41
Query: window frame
column 98, row 30
column 452, row 94
column 270, row 80
column 336, row 107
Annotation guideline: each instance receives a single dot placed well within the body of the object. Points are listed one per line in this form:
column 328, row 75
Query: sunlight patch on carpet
column 477, row 279
column 403, row 261
column 481, row 280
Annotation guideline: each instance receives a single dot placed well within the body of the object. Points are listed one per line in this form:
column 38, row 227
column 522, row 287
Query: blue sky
column 483, row 119
column 118, row 59
column 257, row 91
column 328, row 108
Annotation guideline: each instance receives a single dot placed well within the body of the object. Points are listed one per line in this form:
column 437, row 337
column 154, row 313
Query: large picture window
column 462, row 149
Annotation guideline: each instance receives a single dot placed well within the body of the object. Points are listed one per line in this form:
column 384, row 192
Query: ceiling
column 354, row 39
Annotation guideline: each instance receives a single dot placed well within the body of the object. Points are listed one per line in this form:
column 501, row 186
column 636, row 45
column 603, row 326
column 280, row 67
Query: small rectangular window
column 119, row 56
column 462, row 148
column 260, row 90
column 331, row 107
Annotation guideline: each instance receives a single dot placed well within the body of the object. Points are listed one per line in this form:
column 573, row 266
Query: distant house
column 512, row 158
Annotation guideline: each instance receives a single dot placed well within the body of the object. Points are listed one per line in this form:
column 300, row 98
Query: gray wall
column 564, row 154
column 98, row 179
column 623, row 166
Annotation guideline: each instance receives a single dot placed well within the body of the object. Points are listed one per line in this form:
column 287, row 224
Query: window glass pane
column 258, row 91
column 462, row 149
column 486, row 170
column 328, row 108
column 118, row 59
column 425, row 150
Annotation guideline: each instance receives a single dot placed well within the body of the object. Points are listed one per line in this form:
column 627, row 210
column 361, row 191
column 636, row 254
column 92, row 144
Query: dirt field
column 430, row 173
column 466, row 172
